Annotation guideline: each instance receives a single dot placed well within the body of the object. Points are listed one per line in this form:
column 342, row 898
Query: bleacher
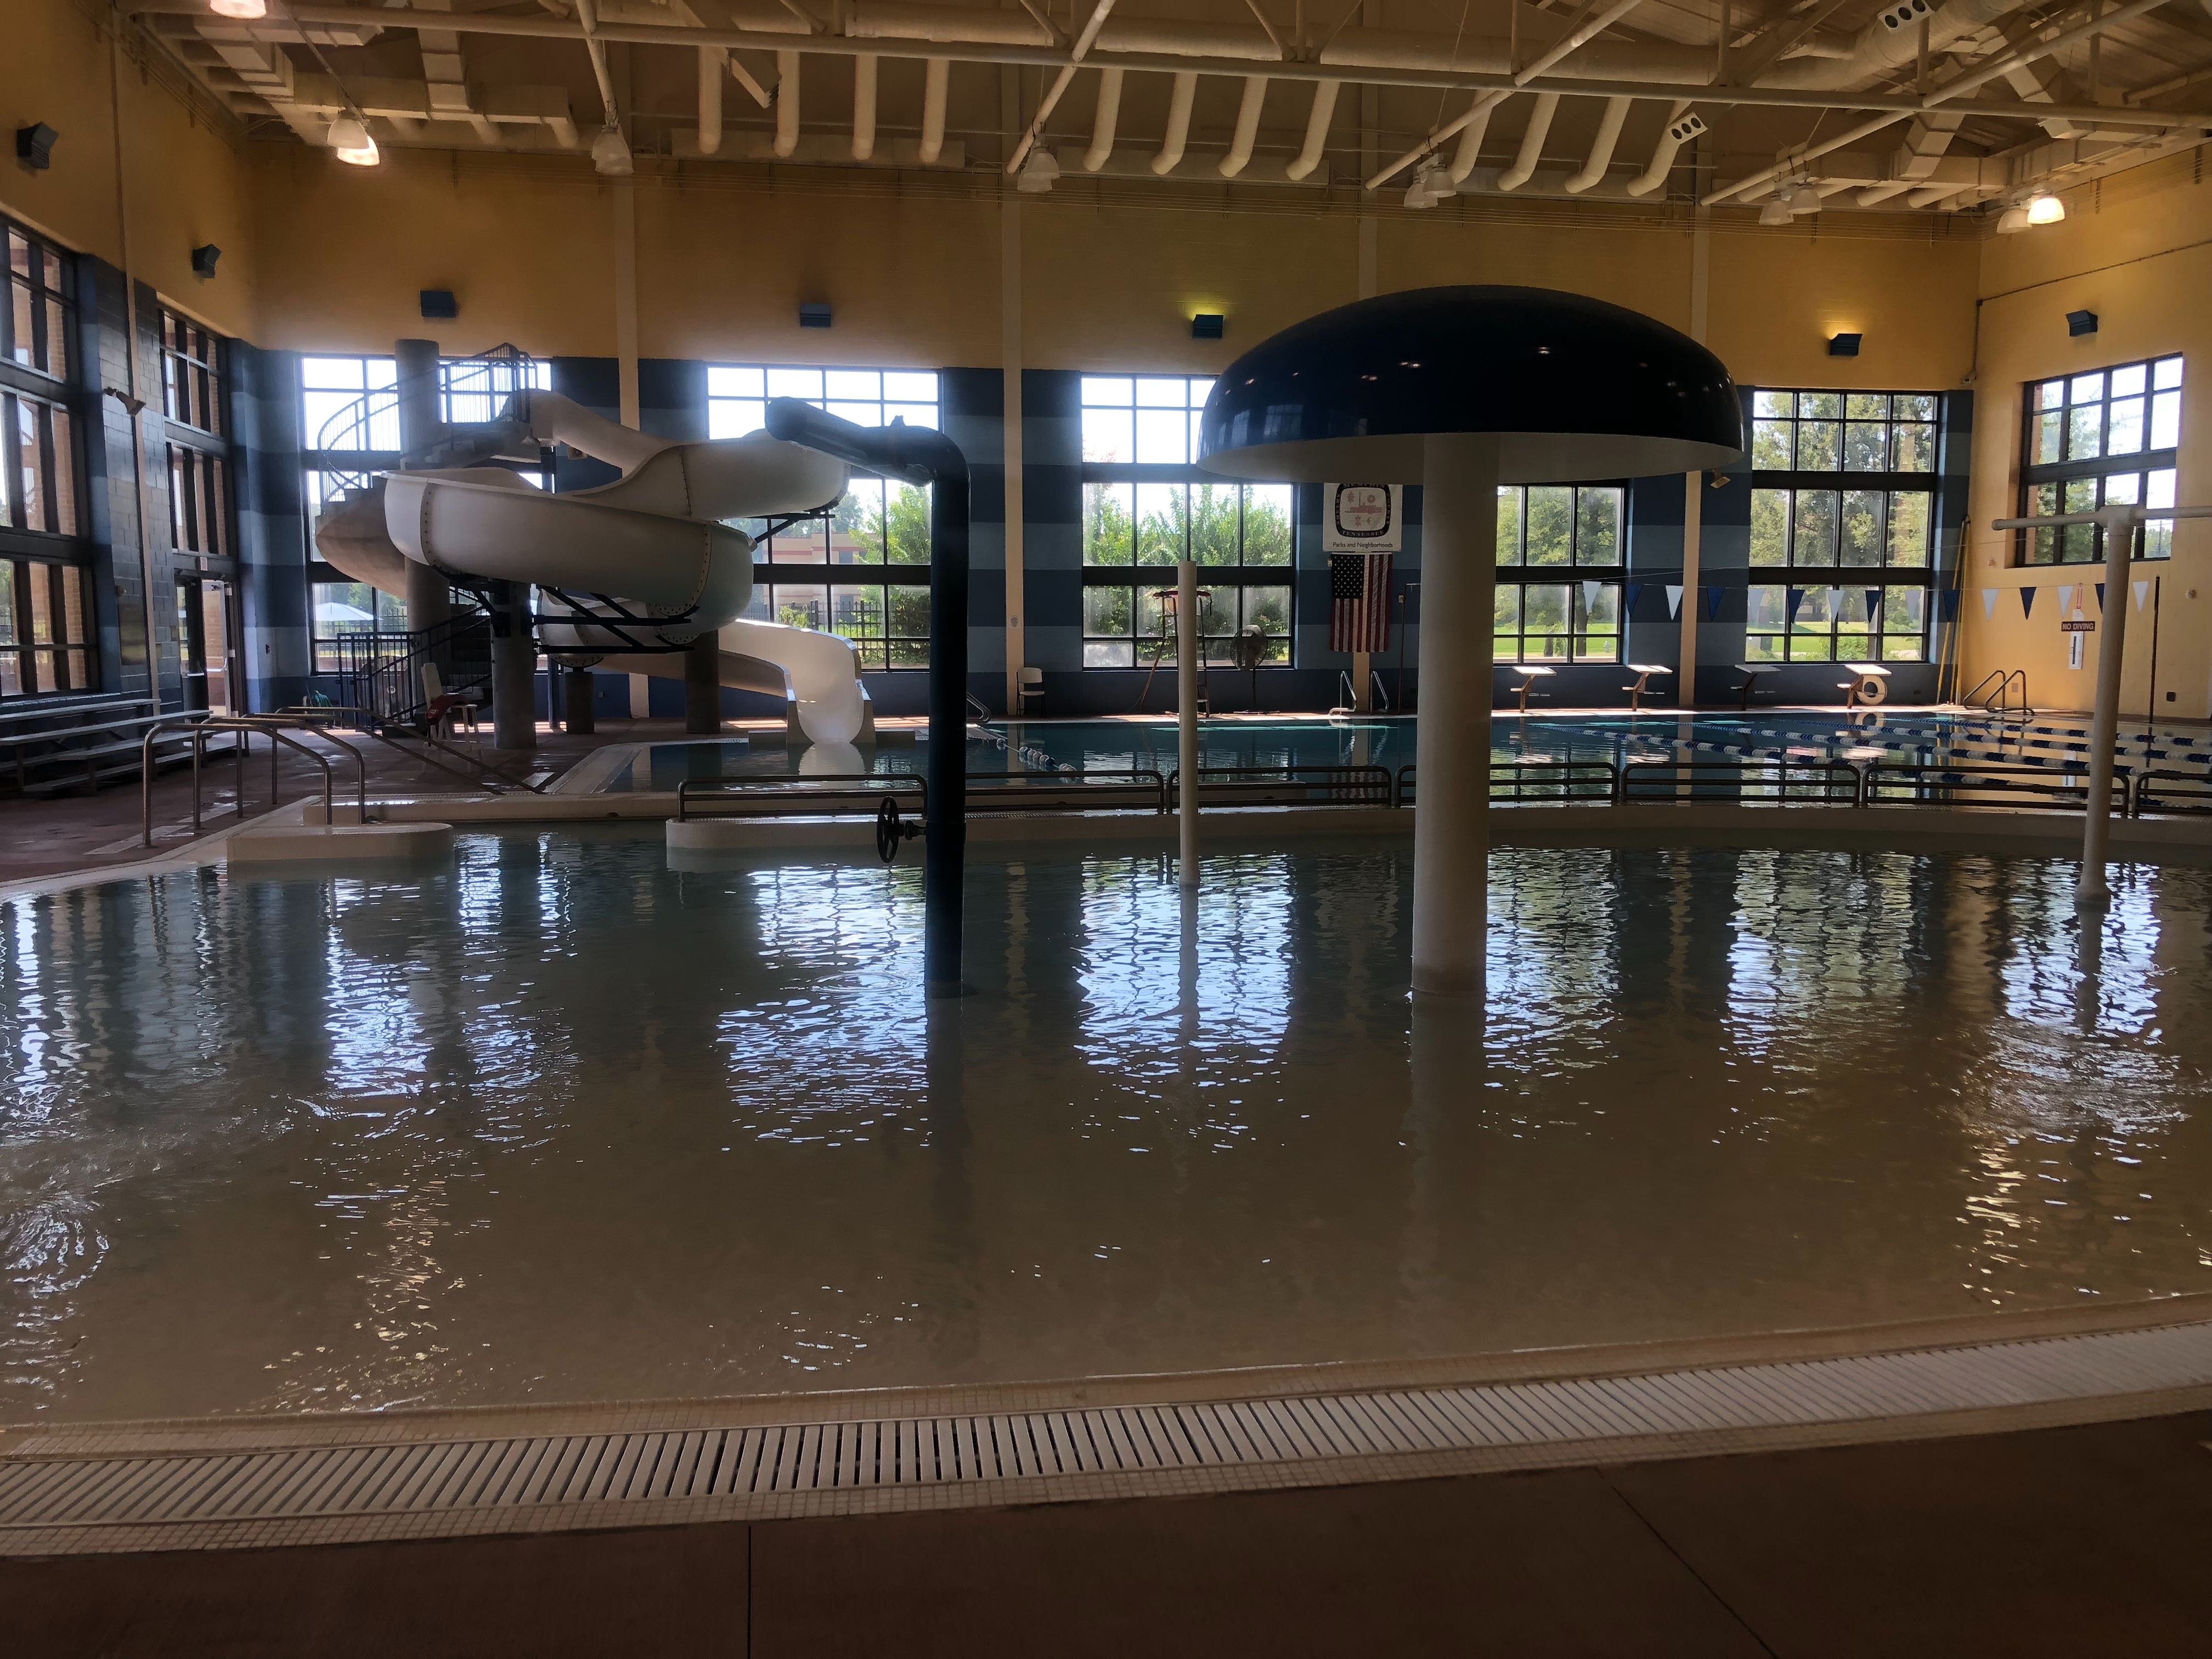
column 66, row 743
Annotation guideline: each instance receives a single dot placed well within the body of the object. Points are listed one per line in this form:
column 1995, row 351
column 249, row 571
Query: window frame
column 1889, row 482
column 74, row 663
column 1515, row 576
column 31, row 297
column 1239, row 592
column 804, row 585
column 2061, row 478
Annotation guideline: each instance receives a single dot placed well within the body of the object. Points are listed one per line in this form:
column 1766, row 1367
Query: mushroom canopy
column 1572, row 387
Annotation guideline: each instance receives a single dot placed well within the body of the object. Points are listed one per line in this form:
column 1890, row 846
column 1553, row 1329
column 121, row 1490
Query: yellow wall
column 187, row 180
column 2125, row 251
column 725, row 256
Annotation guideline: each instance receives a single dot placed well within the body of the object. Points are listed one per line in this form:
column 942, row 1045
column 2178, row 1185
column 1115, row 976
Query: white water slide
column 650, row 545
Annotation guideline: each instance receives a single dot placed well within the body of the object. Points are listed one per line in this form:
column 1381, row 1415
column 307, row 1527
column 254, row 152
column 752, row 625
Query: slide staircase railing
column 380, row 673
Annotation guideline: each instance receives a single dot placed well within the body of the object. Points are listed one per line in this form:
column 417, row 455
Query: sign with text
column 1363, row 518
column 2079, row 625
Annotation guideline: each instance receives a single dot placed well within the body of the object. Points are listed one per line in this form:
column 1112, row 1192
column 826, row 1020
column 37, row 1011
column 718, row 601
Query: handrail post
column 199, row 744
column 146, row 782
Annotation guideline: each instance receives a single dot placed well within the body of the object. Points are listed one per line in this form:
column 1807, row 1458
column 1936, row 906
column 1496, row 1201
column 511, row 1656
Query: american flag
column 1358, row 601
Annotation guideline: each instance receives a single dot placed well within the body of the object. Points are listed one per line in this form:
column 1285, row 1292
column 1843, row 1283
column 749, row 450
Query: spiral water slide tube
column 643, row 561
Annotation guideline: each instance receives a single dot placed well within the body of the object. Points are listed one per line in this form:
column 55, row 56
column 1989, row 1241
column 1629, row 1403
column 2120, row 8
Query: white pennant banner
column 2065, row 600
column 1673, row 600
column 1989, row 605
column 1590, row 595
column 2143, row 593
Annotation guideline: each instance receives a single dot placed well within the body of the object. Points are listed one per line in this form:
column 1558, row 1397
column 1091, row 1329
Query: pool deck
column 2055, row 1516
column 2063, row 1542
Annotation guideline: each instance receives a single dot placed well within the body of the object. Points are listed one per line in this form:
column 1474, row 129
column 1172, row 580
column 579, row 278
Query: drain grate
column 54, row 1494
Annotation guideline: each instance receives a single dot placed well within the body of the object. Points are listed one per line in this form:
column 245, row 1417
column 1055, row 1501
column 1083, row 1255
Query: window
column 199, row 502
column 34, row 326
column 333, row 413
column 1844, row 499
column 191, row 374
column 1146, row 506
column 1558, row 621
column 344, row 608
column 1541, row 529
column 863, row 573
column 2091, row 440
column 44, row 629
column 37, row 466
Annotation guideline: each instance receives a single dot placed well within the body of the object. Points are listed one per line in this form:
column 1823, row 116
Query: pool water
column 561, row 1122
column 1906, row 737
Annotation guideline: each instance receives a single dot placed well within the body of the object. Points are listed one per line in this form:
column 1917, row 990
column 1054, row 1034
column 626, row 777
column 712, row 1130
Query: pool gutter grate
column 55, row 1500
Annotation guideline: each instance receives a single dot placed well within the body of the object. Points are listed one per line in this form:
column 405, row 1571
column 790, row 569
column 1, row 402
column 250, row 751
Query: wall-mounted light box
column 1844, row 345
column 2079, row 323
column 203, row 259
column 814, row 316
column 439, row 305
column 1205, row 326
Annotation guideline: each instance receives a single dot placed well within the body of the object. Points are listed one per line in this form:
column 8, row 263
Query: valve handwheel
column 891, row 829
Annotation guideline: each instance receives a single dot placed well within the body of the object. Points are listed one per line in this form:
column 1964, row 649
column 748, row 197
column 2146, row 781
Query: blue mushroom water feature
column 1461, row 389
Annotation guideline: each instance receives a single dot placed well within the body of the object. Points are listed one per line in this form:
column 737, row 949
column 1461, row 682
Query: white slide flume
column 645, row 561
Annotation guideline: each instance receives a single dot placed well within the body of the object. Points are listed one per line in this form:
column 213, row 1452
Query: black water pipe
column 925, row 457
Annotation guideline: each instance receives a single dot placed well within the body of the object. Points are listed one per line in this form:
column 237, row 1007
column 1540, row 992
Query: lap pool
column 561, row 1122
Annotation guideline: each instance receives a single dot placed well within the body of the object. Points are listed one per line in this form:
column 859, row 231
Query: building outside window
column 2089, row 440
column 192, row 399
column 1562, row 552
column 1841, row 527
column 1145, row 504
column 864, row 573
column 47, row 624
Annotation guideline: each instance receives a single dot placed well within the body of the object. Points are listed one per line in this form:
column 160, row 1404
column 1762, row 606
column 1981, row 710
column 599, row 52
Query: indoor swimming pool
column 560, row 1122
column 1903, row 737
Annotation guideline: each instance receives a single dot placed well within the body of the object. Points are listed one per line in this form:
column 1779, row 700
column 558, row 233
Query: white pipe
column 1059, row 82
column 1178, row 133
column 1532, row 142
column 935, row 77
column 1317, row 121
column 743, row 77
column 1600, row 154
column 1103, row 123
column 1470, row 145
column 1247, row 126
column 1875, row 195
column 1568, row 44
column 597, row 53
column 711, row 59
column 1663, row 152
column 864, row 108
column 786, row 103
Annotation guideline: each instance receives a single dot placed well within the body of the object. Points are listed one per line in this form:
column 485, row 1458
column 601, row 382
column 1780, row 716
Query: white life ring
column 1873, row 689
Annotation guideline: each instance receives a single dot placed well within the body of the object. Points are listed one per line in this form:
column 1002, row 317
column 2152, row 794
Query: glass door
column 206, row 643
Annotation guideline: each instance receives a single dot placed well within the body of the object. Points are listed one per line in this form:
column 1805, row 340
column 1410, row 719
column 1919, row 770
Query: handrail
column 297, row 719
column 1997, row 702
column 200, row 725
column 814, row 789
column 1347, row 786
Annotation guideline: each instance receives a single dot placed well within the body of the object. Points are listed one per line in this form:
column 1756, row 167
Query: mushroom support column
column 1451, row 810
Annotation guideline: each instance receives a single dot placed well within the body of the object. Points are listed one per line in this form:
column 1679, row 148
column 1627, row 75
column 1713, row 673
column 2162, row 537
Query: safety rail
column 1984, row 784
column 1290, row 786
column 1997, row 685
column 1774, row 780
column 380, row 674
column 833, row 794
column 278, row 729
column 2156, row 796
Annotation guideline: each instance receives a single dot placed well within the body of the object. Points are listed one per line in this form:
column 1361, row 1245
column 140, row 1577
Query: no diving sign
column 1362, row 518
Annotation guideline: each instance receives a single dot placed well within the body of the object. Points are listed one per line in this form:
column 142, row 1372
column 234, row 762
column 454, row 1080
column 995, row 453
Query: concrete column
column 513, row 666
column 428, row 596
column 2117, row 525
column 576, row 701
column 703, row 685
column 1451, row 827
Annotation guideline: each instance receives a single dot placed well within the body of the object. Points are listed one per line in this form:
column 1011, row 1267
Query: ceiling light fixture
column 245, row 11
column 1038, row 175
column 611, row 153
column 350, row 142
column 2044, row 209
column 1776, row 211
column 1436, row 178
column 2013, row 221
column 1801, row 198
